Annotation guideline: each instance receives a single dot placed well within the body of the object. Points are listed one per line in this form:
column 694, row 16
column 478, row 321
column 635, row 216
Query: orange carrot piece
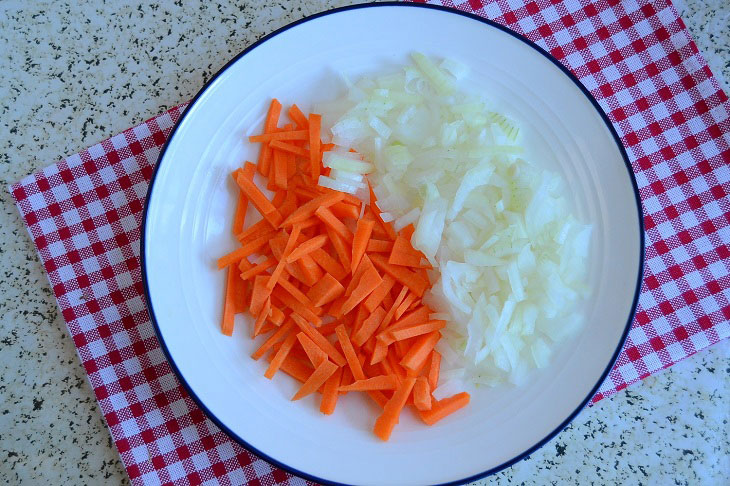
column 280, row 169
column 380, row 352
column 344, row 210
column 244, row 251
column 444, row 408
column 296, row 368
column 410, row 298
column 278, row 145
column 377, row 296
column 368, row 282
column 280, row 356
column 391, row 412
column 277, row 316
column 306, row 248
column 315, row 154
column 418, row 316
column 308, row 209
column 379, row 246
column 346, row 379
column 262, row 318
column 422, row 394
column 417, row 355
column 296, row 230
column 258, row 268
column 325, row 291
column 229, row 303
column 330, row 393
column 333, row 223
column 289, row 301
column 273, row 339
column 369, row 326
column 259, row 294
column 239, row 218
column 259, row 200
column 277, row 136
column 413, row 331
column 381, row 382
column 411, row 280
column 349, row 352
column 403, row 254
column 316, row 379
column 391, row 312
column 302, row 123
column 329, row 264
column 254, row 231
column 433, row 369
column 319, row 340
column 296, row 293
column 309, row 273
column 341, row 248
column 365, row 266
column 314, row 352
column 360, row 241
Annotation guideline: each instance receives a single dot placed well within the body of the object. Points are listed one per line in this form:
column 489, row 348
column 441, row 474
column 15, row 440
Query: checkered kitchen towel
column 637, row 59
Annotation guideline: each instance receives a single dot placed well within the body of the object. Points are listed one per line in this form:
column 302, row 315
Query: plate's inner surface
column 188, row 227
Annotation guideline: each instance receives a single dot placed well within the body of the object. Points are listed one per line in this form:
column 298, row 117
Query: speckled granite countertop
column 75, row 73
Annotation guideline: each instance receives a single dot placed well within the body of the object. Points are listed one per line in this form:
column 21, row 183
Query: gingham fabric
column 636, row 57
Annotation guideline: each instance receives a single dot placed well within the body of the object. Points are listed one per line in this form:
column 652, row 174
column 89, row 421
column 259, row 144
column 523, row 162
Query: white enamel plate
column 190, row 208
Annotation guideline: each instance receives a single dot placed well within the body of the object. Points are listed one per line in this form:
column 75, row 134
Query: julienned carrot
column 306, row 248
column 445, row 407
column 408, row 278
column 280, row 333
column 329, row 264
column 349, row 353
column 229, row 304
column 360, row 241
column 391, row 412
column 314, row 352
column 299, row 118
column 330, row 393
column 379, row 246
column 332, row 222
column 275, row 136
column 368, row 277
column 417, row 355
column 422, row 394
column 319, row 340
column 325, row 291
column 315, row 122
column 381, row 382
column 369, row 326
column 280, row 356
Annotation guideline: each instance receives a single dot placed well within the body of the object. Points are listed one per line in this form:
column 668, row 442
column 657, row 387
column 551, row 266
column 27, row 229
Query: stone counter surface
column 75, row 73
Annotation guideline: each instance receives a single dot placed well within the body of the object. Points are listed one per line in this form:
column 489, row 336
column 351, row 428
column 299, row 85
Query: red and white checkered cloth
column 635, row 56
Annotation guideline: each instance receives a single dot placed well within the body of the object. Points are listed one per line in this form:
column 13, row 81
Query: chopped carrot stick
column 433, row 369
column 381, row 382
column 422, row 394
column 316, row 379
column 299, row 118
column 444, row 408
column 277, row 317
column 280, row 356
column 259, row 294
column 344, row 210
column 289, row 301
column 349, row 353
column 229, row 303
column 380, row 351
column 368, row 282
column 239, row 217
column 411, row 280
column 319, row 340
column 280, row 170
column 258, row 199
column 410, row 298
column 419, row 352
column 262, row 317
column 360, row 241
column 296, row 230
column 365, row 266
column 403, row 254
column 335, row 224
column 391, row 312
column 254, row 231
column 413, row 331
column 258, row 268
column 325, row 291
column 341, row 248
column 306, row 248
column 369, row 326
column 278, row 335
column 277, row 145
column 379, row 246
column 345, row 380
column 417, row 316
column 314, row 352
column 309, row 208
column 329, row 264
column 315, row 122
column 244, row 251
column 330, row 393
column 391, row 412
column 310, row 273
column 377, row 296
column 276, row 136
column 297, row 294
column 296, row 368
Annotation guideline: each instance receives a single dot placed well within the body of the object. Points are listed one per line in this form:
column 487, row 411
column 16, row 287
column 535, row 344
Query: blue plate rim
column 488, row 23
